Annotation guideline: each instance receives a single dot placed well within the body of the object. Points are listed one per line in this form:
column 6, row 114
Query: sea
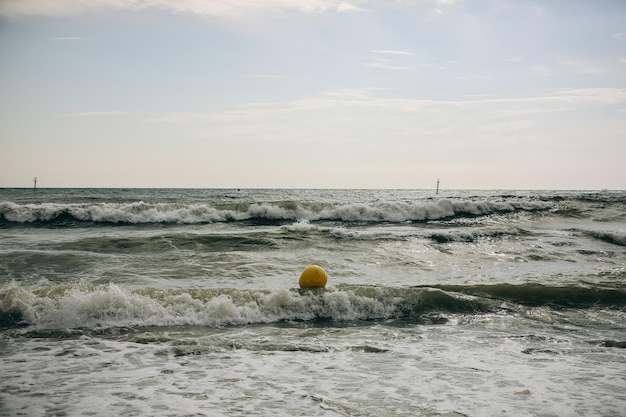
column 185, row 302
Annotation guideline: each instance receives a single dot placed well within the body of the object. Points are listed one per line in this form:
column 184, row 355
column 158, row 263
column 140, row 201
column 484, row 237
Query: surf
column 94, row 306
column 140, row 212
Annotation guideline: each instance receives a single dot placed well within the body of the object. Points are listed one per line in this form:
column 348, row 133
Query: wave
column 476, row 234
column 613, row 237
column 69, row 252
column 90, row 306
column 602, row 206
column 113, row 306
column 183, row 241
column 446, row 235
column 536, row 295
column 59, row 214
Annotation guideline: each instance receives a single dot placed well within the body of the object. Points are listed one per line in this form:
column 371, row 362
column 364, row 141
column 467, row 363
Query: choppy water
column 185, row 302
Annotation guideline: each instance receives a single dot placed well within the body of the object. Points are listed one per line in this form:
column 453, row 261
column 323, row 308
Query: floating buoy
column 313, row 276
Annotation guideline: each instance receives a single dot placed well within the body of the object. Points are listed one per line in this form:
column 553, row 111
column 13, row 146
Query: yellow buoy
column 313, row 276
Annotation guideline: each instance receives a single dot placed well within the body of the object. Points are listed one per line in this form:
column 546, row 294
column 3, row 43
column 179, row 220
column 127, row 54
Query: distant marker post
column 35, row 184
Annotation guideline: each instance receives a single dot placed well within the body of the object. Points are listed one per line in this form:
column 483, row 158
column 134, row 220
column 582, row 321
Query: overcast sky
column 516, row 94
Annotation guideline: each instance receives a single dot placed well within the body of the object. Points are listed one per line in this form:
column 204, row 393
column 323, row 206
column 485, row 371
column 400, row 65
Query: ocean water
column 169, row 302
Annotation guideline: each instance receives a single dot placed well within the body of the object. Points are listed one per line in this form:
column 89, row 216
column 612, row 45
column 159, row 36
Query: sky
column 481, row 94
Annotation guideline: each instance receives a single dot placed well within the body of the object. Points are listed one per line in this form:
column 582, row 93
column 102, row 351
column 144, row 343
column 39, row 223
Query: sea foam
column 111, row 305
column 142, row 212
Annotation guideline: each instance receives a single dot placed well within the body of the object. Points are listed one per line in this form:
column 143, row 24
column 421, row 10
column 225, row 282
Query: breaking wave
column 88, row 306
column 63, row 215
column 113, row 306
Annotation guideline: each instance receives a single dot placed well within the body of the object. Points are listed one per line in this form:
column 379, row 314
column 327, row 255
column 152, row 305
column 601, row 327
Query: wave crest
column 113, row 306
column 613, row 237
column 142, row 213
column 88, row 306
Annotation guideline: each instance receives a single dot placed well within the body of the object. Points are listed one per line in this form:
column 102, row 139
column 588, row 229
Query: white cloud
column 594, row 95
column 383, row 65
column 575, row 66
column 347, row 7
column 218, row 8
column 369, row 106
column 388, row 59
column 443, row 7
column 407, row 133
column 390, row 52
column 622, row 60
column 619, row 35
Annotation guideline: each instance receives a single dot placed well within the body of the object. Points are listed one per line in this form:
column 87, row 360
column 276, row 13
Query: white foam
column 112, row 305
column 480, row 367
column 142, row 212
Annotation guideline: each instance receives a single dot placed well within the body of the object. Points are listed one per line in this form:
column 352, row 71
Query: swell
column 536, row 295
column 613, row 237
column 599, row 206
column 68, row 215
column 182, row 241
column 257, row 239
column 91, row 306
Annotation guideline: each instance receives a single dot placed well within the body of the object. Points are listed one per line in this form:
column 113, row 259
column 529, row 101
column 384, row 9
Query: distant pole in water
column 437, row 191
column 35, row 184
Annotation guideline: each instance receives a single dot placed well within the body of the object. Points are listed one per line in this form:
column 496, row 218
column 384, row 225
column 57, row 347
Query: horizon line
column 304, row 188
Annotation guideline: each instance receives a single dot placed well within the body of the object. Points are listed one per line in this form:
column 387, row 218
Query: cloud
column 390, row 52
column 383, row 65
column 575, row 66
column 594, row 95
column 347, row 7
column 619, row 35
column 395, row 132
column 372, row 112
column 443, row 7
column 216, row 8
column 388, row 59
column 563, row 99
